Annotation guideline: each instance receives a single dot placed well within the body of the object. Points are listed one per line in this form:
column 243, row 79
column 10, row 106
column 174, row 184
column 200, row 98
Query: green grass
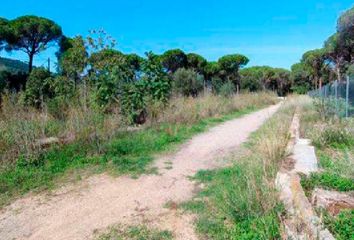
column 128, row 153
column 341, row 226
column 134, row 233
column 334, row 141
column 327, row 181
column 338, row 170
column 227, row 209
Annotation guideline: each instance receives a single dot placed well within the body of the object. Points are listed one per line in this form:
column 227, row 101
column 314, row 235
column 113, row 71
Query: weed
column 342, row 225
column 134, row 233
column 328, row 181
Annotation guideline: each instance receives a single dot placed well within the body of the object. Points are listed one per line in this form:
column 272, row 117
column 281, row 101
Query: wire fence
column 336, row 98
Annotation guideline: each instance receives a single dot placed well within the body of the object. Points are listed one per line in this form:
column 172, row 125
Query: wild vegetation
column 334, row 141
column 94, row 141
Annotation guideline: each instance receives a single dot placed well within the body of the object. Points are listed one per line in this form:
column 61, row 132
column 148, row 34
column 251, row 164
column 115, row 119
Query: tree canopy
column 32, row 34
column 174, row 59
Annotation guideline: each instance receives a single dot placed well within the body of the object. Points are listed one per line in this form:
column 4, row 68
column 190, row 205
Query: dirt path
column 76, row 211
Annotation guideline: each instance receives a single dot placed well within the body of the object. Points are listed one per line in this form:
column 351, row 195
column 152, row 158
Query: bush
column 133, row 103
column 227, row 89
column 187, row 82
column 216, row 83
column 37, row 87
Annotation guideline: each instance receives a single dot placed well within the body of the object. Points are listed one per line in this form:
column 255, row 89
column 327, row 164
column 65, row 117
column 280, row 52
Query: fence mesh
column 336, row 98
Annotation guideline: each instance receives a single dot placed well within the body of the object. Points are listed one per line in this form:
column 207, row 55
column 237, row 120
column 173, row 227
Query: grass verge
column 240, row 201
column 334, row 141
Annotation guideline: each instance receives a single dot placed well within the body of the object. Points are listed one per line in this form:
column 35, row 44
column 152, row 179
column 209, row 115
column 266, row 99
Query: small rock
column 333, row 201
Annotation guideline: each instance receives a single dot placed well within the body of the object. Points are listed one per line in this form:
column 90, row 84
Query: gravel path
column 77, row 211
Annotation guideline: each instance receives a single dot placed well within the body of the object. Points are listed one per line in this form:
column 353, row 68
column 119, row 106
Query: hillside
column 12, row 65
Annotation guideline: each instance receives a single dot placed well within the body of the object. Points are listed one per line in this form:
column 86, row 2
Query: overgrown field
column 334, row 142
column 240, row 201
column 93, row 141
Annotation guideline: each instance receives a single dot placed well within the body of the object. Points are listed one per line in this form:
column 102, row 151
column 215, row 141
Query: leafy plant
column 227, row 89
column 187, row 82
column 342, row 225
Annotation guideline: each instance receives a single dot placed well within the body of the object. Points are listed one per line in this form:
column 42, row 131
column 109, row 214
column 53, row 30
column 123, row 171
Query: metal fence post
column 347, row 98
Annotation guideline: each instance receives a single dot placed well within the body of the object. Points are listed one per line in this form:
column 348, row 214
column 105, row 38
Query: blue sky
column 274, row 33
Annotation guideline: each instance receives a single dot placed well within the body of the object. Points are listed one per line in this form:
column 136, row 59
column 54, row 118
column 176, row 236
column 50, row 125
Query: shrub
column 187, row 82
column 227, row 89
column 37, row 87
column 216, row 83
column 133, row 103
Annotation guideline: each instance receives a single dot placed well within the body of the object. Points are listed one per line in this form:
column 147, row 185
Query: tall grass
column 21, row 127
column 100, row 141
column 240, row 201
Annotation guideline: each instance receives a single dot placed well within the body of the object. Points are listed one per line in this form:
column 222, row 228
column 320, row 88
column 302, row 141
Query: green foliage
column 133, row 103
column 251, row 78
column 174, row 59
column 229, row 67
column 32, row 34
column 196, row 62
column 232, row 63
column 216, row 83
column 212, row 69
column 264, row 77
column 74, row 60
column 328, row 181
column 342, row 225
column 156, row 81
column 153, row 87
column 13, row 66
column 37, row 87
column 106, row 60
column 227, row 89
column 187, row 82
column 345, row 29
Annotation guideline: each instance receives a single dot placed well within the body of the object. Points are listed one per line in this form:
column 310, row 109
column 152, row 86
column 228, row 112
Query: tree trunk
column 338, row 73
column 30, row 63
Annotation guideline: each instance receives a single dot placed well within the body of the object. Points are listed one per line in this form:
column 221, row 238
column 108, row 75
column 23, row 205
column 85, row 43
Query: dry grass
column 21, row 127
column 191, row 110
